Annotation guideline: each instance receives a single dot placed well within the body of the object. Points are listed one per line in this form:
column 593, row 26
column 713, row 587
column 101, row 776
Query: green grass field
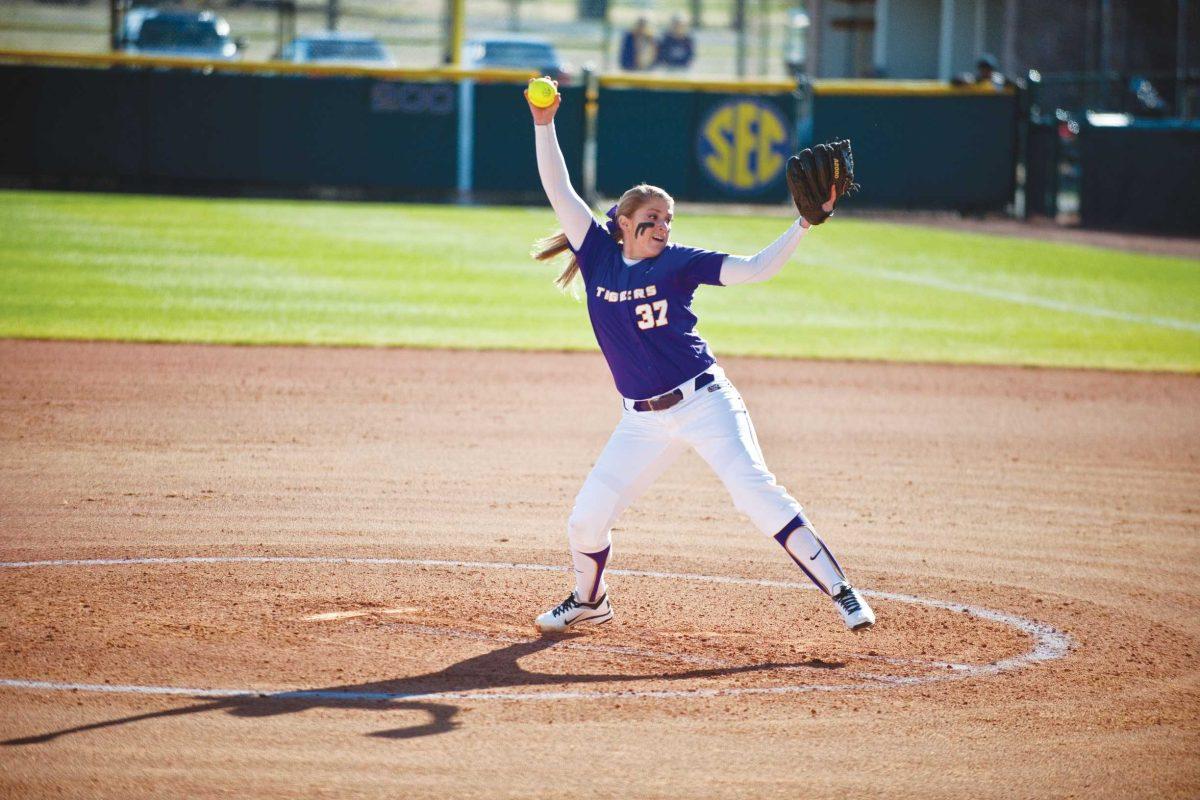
column 79, row 266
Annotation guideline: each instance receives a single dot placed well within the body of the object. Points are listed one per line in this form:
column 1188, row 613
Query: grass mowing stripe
column 1023, row 299
column 292, row 272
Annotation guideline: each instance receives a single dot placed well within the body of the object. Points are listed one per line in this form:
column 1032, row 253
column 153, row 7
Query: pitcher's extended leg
column 722, row 433
column 638, row 451
column 636, row 454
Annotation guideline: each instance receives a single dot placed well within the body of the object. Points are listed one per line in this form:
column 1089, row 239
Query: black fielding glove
column 811, row 173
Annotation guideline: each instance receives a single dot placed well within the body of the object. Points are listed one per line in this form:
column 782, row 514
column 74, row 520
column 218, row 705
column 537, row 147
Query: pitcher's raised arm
column 572, row 212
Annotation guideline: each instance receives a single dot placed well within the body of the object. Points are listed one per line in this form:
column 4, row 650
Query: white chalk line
column 1049, row 643
column 336, row 616
column 1022, row 299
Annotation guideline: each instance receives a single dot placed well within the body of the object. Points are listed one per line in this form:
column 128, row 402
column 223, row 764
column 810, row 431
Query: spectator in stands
column 987, row 70
column 987, row 73
column 676, row 48
column 639, row 51
column 1144, row 100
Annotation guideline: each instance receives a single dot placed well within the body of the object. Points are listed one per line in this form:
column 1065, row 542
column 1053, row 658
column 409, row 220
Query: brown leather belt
column 665, row 401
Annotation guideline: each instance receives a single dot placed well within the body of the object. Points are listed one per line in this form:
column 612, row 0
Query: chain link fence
column 586, row 33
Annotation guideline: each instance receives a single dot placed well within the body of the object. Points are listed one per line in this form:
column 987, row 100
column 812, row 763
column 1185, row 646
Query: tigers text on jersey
column 641, row 312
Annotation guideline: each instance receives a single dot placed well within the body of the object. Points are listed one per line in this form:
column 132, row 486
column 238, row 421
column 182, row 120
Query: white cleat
column 853, row 607
column 572, row 612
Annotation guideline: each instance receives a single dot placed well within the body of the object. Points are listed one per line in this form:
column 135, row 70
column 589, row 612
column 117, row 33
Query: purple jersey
column 642, row 313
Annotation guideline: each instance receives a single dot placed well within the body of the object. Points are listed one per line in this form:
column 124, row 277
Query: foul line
column 1022, row 299
column 1049, row 643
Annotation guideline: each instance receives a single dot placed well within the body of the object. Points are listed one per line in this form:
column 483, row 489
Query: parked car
column 506, row 51
column 334, row 47
column 195, row 34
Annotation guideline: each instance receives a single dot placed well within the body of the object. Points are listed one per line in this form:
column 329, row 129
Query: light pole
column 1181, row 56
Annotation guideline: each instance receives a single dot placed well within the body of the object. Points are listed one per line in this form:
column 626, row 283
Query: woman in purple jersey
column 639, row 288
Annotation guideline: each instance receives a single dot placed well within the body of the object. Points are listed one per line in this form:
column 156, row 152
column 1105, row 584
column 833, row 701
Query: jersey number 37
column 651, row 315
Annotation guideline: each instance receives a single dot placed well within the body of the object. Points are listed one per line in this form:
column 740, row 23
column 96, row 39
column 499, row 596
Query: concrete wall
column 907, row 40
column 911, row 37
column 993, row 40
column 845, row 53
column 961, row 54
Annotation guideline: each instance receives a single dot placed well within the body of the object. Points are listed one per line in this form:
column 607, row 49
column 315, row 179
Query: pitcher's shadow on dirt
column 498, row 669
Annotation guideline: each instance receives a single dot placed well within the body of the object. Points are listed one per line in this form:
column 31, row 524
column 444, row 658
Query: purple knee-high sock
column 589, row 574
column 801, row 542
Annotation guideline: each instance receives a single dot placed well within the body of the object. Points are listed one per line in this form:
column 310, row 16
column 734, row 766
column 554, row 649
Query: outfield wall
column 917, row 144
column 186, row 130
column 193, row 126
column 700, row 142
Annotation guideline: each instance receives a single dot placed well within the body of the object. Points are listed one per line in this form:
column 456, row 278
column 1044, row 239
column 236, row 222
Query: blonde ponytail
column 548, row 247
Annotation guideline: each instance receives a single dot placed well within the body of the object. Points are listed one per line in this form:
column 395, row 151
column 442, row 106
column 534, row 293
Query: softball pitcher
column 639, row 287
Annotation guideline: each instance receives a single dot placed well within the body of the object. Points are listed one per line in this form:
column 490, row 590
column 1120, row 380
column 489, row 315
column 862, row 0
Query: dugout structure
column 1144, row 176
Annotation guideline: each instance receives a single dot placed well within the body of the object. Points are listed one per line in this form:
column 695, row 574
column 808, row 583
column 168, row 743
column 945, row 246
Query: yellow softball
column 542, row 92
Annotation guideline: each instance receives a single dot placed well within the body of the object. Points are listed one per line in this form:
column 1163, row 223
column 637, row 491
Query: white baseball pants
column 714, row 421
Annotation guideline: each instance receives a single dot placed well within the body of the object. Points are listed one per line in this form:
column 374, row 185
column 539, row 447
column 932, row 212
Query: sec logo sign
column 743, row 145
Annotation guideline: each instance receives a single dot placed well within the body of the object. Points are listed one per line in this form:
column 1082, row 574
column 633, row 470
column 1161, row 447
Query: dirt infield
column 311, row 573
